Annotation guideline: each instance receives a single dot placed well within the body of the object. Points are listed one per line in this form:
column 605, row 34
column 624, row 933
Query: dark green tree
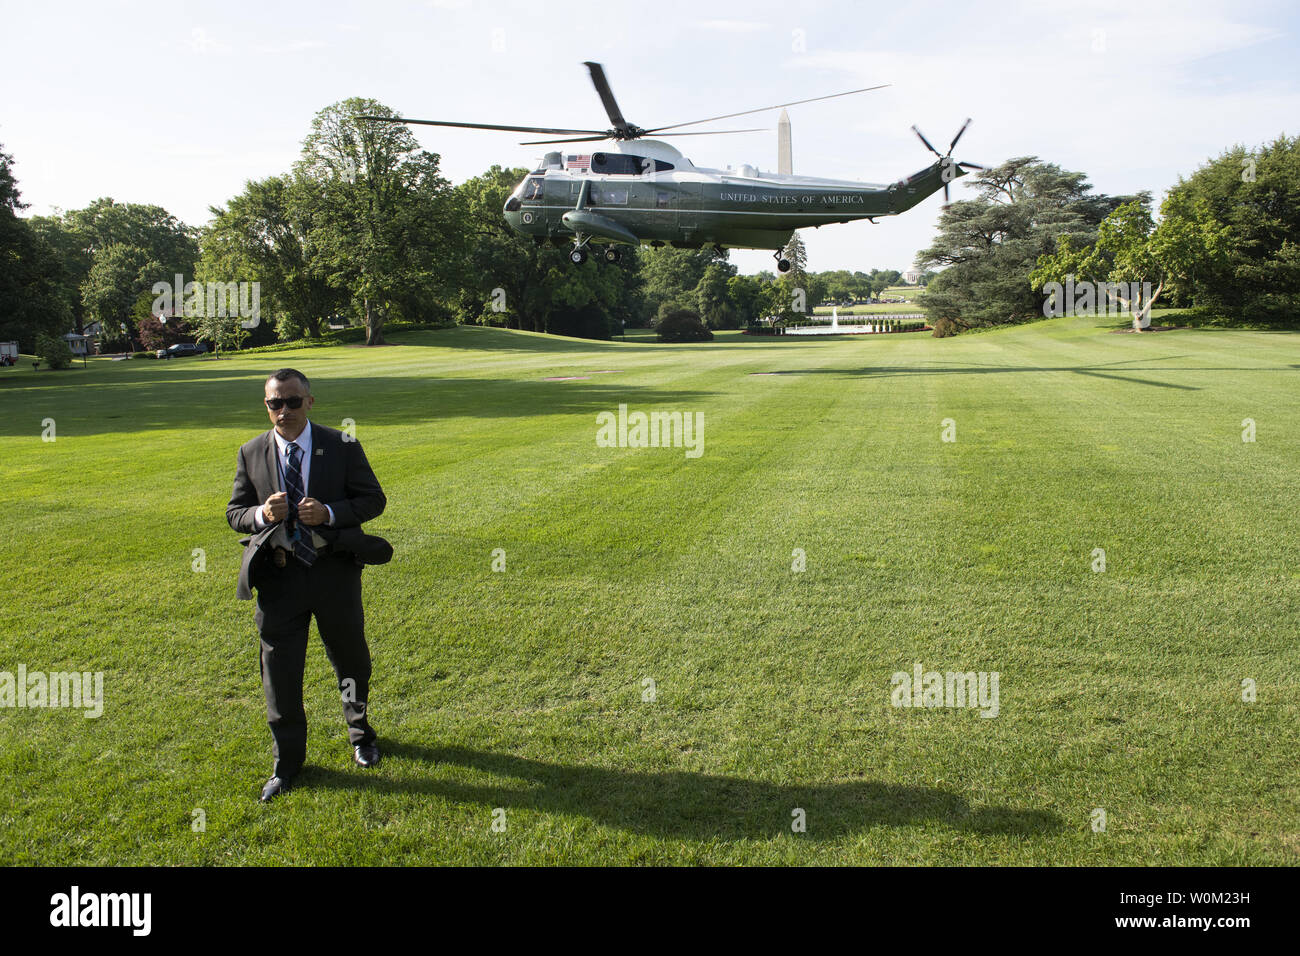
column 713, row 299
column 989, row 245
column 261, row 235
column 54, row 349
column 747, row 294
column 33, row 283
column 672, row 275
column 384, row 224
column 1256, row 195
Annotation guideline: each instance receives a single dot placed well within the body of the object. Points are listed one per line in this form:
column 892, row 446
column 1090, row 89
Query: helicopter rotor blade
column 926, row 141
column 762, row 109
column 966, row 165
column 606, row 95
column 715, row 132
column 506, row 129
column 575, row 139
column 958, row 136
column 592, row 139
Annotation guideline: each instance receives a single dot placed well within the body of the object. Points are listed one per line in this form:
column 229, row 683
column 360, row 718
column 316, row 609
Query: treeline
column 363, row 230
column 1226, row 247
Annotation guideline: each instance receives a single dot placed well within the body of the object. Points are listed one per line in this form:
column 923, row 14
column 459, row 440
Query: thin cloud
column 298, row 46
column 733, row 26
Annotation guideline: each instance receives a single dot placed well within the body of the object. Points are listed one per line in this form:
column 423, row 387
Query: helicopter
column 642, row 190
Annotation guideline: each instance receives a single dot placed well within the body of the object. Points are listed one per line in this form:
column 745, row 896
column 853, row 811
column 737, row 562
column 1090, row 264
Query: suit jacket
column 340, row 477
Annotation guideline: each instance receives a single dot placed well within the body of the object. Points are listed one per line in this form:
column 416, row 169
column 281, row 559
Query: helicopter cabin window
column 606, row 195
column 662, row 199
column 533, row 189
column 625, row 164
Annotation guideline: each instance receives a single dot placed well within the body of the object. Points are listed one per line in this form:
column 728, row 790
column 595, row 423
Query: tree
column 118, row 276
column 989, row 245
column 672, row 275
column 713, row 297
column 72, row 251
column 784, row 299
column 1255, row 195
column 383, row 223
column 110, row 252
column 226, row 333
column 261, row 235
column 32, row 278
column 747, row 294
column 797, row 255
column 153, row 331
column 1130, row 257
column 54, row 350
column 682, row 325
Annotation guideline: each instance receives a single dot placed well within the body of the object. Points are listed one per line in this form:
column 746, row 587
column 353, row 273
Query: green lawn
column 523, row 690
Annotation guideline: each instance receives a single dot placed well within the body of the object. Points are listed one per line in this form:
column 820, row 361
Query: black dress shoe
column 367, row 755
column 274, row 787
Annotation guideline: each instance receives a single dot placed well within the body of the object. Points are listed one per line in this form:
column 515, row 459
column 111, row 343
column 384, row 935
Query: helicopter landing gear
column 782, row 265
column 578, row 255
column 612, row 254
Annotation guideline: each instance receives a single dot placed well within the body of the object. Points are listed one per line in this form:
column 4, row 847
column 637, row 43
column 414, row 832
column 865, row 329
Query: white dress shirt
column 303, row 441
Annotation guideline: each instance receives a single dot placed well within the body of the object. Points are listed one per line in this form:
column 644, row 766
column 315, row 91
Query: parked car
column 187, row 348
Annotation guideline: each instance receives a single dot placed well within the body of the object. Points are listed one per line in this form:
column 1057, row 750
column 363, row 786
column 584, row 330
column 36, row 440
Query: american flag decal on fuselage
column 578, row 162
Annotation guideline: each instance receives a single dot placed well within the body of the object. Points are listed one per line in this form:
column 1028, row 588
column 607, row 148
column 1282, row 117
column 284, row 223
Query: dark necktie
column 303, row 549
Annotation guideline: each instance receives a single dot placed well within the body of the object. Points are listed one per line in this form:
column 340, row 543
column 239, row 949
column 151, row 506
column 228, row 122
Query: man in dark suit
column 315, row 484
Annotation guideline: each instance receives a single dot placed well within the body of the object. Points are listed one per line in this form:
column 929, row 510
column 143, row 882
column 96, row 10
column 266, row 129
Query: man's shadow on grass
column 683, row 805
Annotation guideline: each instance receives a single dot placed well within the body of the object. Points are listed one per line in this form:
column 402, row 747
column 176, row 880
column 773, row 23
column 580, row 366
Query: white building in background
column 80, row 344
column 912, row 276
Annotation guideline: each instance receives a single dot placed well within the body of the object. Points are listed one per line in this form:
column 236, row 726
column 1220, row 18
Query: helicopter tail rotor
column 946, row 158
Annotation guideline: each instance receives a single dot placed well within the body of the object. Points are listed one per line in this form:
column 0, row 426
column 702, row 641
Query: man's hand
column 276, row 508
column 312, row 512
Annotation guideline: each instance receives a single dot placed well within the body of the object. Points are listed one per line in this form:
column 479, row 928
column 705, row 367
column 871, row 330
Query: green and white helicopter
column 641, row 190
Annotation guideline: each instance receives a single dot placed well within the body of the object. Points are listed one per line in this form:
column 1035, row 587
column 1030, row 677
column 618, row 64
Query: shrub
column 683, row 325
column 54, row 349
column 155, row 334
column 944, row 328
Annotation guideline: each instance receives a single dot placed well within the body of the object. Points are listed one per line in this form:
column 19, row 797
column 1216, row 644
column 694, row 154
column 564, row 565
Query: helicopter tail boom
column 921, row 185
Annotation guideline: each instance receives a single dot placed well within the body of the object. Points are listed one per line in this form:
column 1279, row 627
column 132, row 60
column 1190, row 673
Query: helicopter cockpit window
column 533, row 189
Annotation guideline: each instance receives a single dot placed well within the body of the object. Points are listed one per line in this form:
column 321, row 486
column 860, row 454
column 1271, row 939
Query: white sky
column 180, row 103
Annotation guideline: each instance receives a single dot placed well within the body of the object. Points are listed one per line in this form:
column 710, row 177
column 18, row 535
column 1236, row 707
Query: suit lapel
column 273, row 461
column 318, row 457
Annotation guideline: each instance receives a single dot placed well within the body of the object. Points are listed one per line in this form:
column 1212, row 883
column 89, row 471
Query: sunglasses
column 275, row 404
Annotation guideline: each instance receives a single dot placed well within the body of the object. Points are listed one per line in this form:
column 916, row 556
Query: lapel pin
column 320, row 451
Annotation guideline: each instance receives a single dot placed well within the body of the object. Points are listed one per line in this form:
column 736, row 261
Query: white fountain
column 835, row 318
